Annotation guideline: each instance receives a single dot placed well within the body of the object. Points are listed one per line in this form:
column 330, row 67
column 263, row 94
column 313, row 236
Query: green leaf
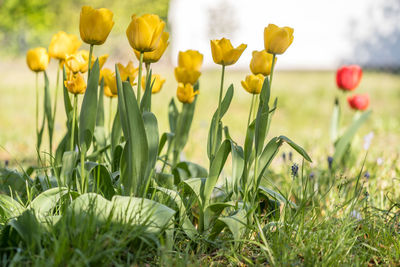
column 151, row 127
column 100, row 106
column 196, row 186
column 69, row 160
column 145, row 103
column 102, row 181
column 164, row 138
column 12, row 179
column 262, row 118
column 67, row 102
column 268, row 154
column 296, row 147
column 136, row 153
column 172, row 115
column 87, row 118
column 345, row 140
column 275, row 195
column 236, row 223
column 215, row 170
column 116, row 132
column 9, row 208
column 44, row 203
column 28, row 228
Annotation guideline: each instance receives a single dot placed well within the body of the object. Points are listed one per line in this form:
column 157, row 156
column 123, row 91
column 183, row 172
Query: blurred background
column 327, row 35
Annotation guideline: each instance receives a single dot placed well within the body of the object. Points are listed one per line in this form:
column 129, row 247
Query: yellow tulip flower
column 78, row 62
column 190, row 59
column 110, row 81
column 253, row 83
column 185, row 93
column 277, row 39
column 183, row 75
column 157, row 82
column 37, row 59
column 63, row 44
column 75, row 84
column 261, row 63
column 129, row 71
column 108, row 92
column 102, row 60
column 144, row 33
column 154, row 56
column 223, row 52
column 95, row 25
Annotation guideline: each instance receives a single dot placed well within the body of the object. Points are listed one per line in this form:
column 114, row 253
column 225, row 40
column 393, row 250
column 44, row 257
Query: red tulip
column 359, row 102
column 348, row 77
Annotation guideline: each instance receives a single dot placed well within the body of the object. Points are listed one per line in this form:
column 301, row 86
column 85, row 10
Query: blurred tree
column 28, row 23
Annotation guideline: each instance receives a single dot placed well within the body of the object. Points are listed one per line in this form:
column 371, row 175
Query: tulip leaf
column 266, row 157
column 262, row 118
column 116, row 131
column 345, row 140
column 100, row 105
column 185, row 170
column 165, row 137
column 102, row 181
column 47, row 108
column 236, row 223
column 145, row 103
column 69, row 160
column 296, row 147
column 67, row 102
column 215, row 170
column 151, row 127
column 136, row 152
column 44, row 203
column 172, row 115
column 87, row 118
column 9, row 208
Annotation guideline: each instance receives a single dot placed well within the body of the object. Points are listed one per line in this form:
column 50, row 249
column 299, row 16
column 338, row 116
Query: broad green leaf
column 215, row 170
column 136, row 153
column 296, row 147
column 28, row 228
column 236, row 223
column 186, row 224
column 47, row 108
column 275, row 195
column 12, row 179
column 44, row 203
column 9, row 208
column 151, row 127
column 100, row 105
column 262, row 118
column 145, row 103
column 172, row 115
column 196, row 186
column 116, row 132
column 102, row 181
column 164, row 138
column 218, row 207
column 68, row 165
column 345, row 140
column 248, row 143
column 87, row 118
column 268, row 154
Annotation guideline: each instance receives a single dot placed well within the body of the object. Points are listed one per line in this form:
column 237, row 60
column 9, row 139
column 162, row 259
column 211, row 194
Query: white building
column 327, row 33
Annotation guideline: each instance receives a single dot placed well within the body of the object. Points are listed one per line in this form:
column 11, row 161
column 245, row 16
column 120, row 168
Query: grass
column 344, row 217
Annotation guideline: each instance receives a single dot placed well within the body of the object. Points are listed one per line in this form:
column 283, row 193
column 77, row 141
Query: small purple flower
column 312, row 175
column 295, row 169
column 367, row 175
column 330, row 161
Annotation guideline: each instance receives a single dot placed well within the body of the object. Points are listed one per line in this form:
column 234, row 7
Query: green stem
column 83, row 178
column 73, row 122
column 55, row 108
column 90, row 60
column 139, row 85
column 214, row 140
column 37, row 112
column 251, row 110
column 272, row 69
column 110, row 116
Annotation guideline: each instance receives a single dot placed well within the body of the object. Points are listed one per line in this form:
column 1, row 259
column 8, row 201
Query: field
column 344, row 216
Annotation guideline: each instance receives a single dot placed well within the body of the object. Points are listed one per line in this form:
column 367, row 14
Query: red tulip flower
column 348, row 77
column 359, row 102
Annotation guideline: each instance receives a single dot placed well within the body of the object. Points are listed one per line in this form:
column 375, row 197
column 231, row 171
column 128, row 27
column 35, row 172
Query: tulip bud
column 190, row 59
column 277, row 39
column 185, row 93
column 156, row 81
column 223, row 52
column 144, row 33
column 75, row 84
column 129, row 71
column 154, row 56
column 253, row 83
column 359, row 102
column 37, row 59
column 261, row 63
column 63, row 44
column 184, row 76
column 348, row 77
column 95, row 25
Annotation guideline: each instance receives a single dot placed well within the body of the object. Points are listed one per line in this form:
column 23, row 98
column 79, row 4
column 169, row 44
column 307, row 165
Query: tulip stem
column 73, row 122
column 55, row 107
column 272, row 70
column 251, row 110
column 90, row 60
column 37, row 113
column 139, row 85
column 214, row 140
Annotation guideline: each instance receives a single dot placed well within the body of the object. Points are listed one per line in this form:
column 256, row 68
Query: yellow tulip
column 37, row 59
column 261, row 63
column 95, row 25
column 190, row 59
column 157, row 82
column 154, row 56
column 78, row 62
column 75, row 84
column 185, row 93
column 63, row 44
column 144, row 33
column 223, row 52
column 276, row 39
column 108, row 92
column 102, row 60
column 129, row 71
column 110, row 82
column 183, row 75
column 253, row 83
